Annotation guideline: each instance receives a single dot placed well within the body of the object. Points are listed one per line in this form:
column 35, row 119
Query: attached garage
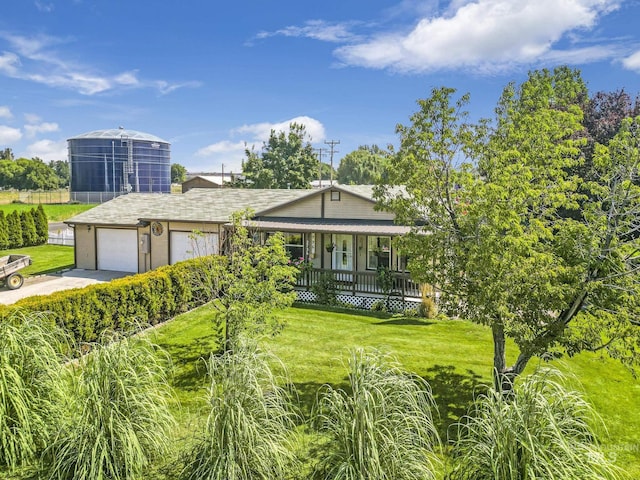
column 117, row 249
column 185, row 245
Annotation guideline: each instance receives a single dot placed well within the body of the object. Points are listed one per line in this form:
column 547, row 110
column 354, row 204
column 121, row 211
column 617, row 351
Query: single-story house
column 335, row 228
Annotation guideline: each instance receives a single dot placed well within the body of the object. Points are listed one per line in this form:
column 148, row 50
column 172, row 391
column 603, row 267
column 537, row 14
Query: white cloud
column 5, row 112
column 34, row 59
column 224, row 147
column 261, row 131
column 32, row 118
column 48, row 150
column 483, row 35
column 44, row 7
column 127, row 78
column 632, row 62
column 231, row 153
column 165, row 88
column 9, row 135
column 45, row 127
column 9, row 63
column 317, row 30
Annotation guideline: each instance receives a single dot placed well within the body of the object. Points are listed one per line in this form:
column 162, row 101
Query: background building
column 108, row 163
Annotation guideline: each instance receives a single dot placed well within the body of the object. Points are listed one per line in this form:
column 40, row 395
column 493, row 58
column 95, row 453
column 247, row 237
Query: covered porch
column 363, row 283
column 350, row 251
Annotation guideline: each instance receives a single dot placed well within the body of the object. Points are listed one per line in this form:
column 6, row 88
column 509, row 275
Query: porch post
column 354, row 250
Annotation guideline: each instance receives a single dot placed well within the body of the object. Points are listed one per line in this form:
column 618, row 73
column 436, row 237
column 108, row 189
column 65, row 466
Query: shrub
column 152, row 297
column 31, row 386
column 379, row 306
column 118, row 413
column 541, row 430
column 427, row 307
column 382, row 429
column 325, row 289
column 247, row 434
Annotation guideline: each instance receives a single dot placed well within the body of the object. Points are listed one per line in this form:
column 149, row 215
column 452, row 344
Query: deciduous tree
column 485, row 201
column 363, row 166
column 286, row 161
column 178, row 173
column 254, row 285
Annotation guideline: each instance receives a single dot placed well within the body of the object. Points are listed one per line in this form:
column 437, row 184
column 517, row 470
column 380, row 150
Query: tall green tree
column 36, row 175
column 28, row 227
column 14, row 230
column 178, row 173
column 363, row 166
column 61, row 169
column 42, row 224
column 10, row 173
column 487, row 199
column 6, row 154
column 4, row 231
column 286, row 161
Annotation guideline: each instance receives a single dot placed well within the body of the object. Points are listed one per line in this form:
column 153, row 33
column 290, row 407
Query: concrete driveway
column 46, row 284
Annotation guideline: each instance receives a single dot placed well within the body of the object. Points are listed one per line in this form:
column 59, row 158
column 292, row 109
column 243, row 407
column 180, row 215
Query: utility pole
column 332, row 143
column 319, row 151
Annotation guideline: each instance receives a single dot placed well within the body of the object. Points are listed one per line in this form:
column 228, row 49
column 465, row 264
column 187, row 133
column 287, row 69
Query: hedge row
column 125, row 303
column 24, row 229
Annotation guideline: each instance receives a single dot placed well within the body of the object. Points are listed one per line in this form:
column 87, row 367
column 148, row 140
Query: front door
column 342, row 257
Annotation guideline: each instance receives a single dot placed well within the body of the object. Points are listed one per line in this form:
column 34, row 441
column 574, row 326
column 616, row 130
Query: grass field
column 55, row 212
column 453, row 356
column 46, row 258
column 52, row 196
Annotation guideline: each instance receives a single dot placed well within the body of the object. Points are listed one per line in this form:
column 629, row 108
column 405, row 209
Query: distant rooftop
column 118, row 134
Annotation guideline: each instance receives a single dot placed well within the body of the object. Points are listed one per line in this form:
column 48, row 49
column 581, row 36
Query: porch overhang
column 329, row 226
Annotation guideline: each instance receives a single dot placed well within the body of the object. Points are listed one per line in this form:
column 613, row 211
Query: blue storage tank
column 108, row 163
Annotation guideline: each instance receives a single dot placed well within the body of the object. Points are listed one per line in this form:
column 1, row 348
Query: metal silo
column 108, row 163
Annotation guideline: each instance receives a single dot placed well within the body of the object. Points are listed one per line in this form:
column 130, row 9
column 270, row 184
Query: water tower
column 108, row 163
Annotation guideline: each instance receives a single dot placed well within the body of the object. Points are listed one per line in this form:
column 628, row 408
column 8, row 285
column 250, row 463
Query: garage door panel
column 185, row 245
column 117, row 249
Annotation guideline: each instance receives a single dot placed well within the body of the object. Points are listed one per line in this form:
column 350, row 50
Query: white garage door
column 185, row 245
column 117, row 250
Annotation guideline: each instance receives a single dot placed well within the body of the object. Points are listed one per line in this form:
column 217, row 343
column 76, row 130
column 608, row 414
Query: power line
column 320, row 151
column 332, row 143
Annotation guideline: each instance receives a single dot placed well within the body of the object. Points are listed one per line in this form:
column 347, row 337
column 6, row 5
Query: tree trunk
column 500, row 381
column 503, row 376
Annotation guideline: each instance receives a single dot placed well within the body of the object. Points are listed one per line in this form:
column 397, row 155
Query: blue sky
column 211, row 76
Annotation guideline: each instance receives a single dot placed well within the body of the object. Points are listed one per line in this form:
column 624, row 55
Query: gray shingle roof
column 196, row 205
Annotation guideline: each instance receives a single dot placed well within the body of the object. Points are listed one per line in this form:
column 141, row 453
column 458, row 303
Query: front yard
column 453, row 356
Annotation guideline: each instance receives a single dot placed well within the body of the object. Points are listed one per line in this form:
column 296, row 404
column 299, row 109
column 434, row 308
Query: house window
column 378, row 252
column 294, row 245
column 335, row 196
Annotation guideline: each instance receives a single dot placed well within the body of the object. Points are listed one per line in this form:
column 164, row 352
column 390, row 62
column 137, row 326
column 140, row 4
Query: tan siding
column 305, row 208
column 350, row 206
column 144, row 259
column 160, row 247
column 85, row 247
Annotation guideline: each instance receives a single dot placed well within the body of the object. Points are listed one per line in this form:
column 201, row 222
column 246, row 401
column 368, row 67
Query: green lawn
column 454, row 356
column 46, row 258
column 55, row 212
